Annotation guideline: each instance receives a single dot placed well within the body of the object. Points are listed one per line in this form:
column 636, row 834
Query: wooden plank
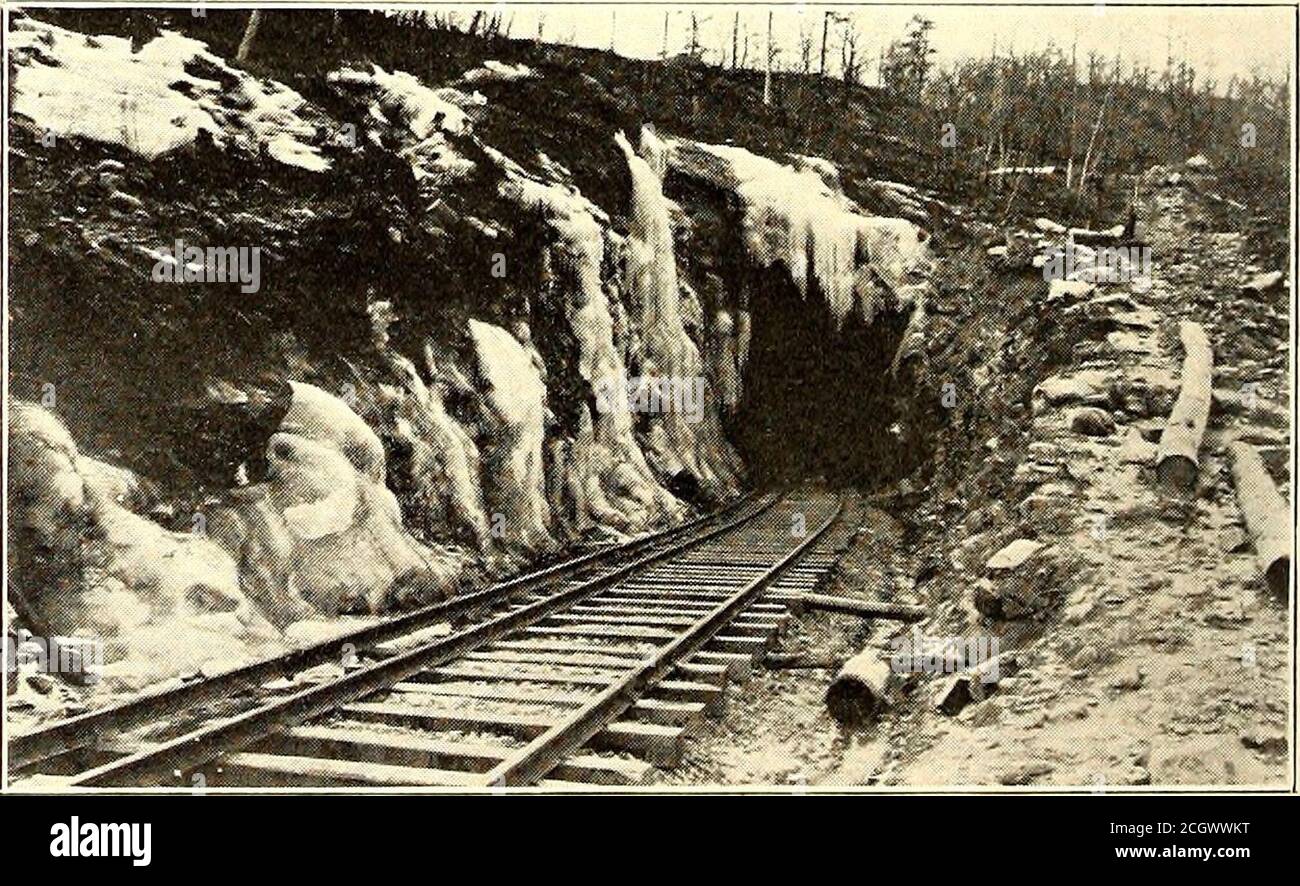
column 495, row 692
column 661, row 745
column 250, row 768
column 523, row 673
column 591, row 769
column 743, row 628
column 713, row 696
column 643, row 607
column 366, row 745
column 681, row 584
column 684, row 566
column 628, row 632
column 713, row 597
column 852, row 606
column 584, row 660
column 715, row 674
column 687, row 690
column 666, row 713
column 757, row 568
column 653, row 605
column 739, row 664
column 611, row 649
column 675, row 621
column 448, row 718
column 733, row 643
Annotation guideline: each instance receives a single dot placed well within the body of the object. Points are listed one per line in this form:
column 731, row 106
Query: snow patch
column 402, row 100
column 429, row 117
column 79, row 86
column 500, row 71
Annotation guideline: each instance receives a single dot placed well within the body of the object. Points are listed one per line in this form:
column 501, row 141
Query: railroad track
column 587, row 672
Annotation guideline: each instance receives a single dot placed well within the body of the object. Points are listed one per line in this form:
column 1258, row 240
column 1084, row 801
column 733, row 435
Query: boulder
column 1019, row 581
column 1090, row 387
column 1137, row 450
column 1069, row 291
column 1263, row 283
column 1013, row 556
column 1092, row 421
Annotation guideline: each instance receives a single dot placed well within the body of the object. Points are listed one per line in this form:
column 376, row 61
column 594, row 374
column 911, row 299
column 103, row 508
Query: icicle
column 796, row 215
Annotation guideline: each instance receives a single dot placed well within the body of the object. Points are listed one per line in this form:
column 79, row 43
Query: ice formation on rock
column 607, row 475
column 427, row 118
column 514, row 401
column 402, row 100
column 163, row 603
column 319, row 415
column 443, row 460
column 674, row 439
column 350, row 551
column 320, row 535
column 797, row 216
column 76, row 85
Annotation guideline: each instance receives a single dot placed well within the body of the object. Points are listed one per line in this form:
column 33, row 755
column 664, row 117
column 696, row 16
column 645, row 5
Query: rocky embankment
column 1143, row 643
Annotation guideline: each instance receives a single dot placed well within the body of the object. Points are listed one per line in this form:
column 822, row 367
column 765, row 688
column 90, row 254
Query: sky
column 1221, row 41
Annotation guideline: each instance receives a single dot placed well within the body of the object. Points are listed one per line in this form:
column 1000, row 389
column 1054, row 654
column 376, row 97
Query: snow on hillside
column 157, row 99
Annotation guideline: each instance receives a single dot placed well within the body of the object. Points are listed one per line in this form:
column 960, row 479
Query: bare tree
column 1096, row 128
column 767, row 68
column 805, row 50
column 250, row 31
column 826, row 27
column 850, row 60
column 695, row 50
column 735, row 38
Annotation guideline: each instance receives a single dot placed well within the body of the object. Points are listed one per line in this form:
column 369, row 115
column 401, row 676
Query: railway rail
column 587, row 672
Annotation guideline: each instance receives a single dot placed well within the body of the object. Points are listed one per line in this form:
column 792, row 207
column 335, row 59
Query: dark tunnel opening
column 819, row 399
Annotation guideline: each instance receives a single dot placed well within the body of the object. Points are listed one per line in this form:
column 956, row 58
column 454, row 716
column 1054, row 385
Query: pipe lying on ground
column 1177, row 464
column 858, row 691
column 1268, row 519
column 865, row 608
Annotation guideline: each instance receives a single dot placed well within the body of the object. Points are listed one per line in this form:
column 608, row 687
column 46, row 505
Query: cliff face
column 453, row 359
